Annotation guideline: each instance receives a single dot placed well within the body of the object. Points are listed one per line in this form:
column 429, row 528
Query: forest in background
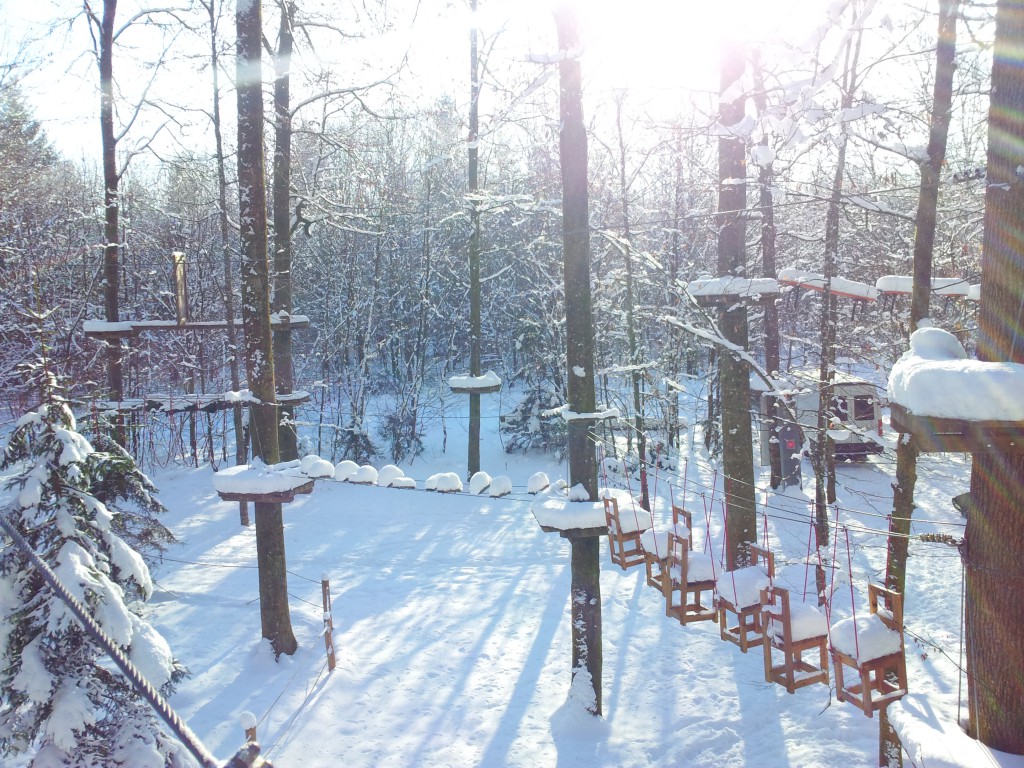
column 380, row 223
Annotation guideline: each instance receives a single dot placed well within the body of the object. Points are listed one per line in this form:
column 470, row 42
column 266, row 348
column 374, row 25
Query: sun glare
column 668, row 45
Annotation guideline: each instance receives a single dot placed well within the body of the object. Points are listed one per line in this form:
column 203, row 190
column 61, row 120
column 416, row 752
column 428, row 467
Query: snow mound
column 403, row 482
column 579, row 493
column 500, row 486
column 387, row 475
column 364, row 475
column 444, row 482
column 479, row 483
column 538, row 482
column 317, row 468
column 343, row 470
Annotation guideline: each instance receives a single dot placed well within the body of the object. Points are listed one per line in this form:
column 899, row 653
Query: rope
column 853, row 603
column 147, row 691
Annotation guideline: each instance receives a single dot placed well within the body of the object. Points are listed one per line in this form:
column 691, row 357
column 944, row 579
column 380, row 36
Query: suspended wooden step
column 260, row 483
column 739, row 596
column 475, row 385
column 101, row 329
column 623, row 545
column 793, row 628
column 722, row 292
column 871, row 647
column 655, row 545
column 688, row 581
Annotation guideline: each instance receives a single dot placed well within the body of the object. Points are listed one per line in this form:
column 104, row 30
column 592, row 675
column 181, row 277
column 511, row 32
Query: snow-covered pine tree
column 60, row 700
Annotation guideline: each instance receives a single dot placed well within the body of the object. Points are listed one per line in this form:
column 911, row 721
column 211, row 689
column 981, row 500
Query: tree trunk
column 111, row 212
column 259, row 355
column 241, row 454
column 579, row 331
column 889, row 752
column 734, row 374
column 283, row 368
column 474, row 246
column 994, row 547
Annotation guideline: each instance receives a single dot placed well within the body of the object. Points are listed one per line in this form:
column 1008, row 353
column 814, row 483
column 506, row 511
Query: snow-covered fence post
column 325, row 589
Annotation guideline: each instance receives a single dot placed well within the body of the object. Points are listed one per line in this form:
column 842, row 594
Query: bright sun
column 667, row 44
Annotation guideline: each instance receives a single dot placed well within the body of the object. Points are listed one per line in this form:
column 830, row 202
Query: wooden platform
column 933, row 434
column 99, row 329
column 279, row 497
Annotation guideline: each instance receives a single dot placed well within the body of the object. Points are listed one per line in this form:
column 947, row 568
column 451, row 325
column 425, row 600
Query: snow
column 838, row 285
column 387, row 475
column 488, row 381
column 865, row 637
column 537, row 482
column 364, row 475
column 941, row 286
column 500, row 486
column 451, row 617
column 937, row 742
column 606, row 415
column 343, row 470
column 257, row 478
column 805, row 621
column 935, row 378
column 732, row 286
column 743, row 586
column 444, row 482
column 479, row 483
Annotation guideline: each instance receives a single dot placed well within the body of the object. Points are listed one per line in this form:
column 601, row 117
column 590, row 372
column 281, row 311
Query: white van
column 856, row 411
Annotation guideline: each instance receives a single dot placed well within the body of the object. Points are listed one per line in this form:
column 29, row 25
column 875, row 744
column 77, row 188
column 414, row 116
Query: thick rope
column 147, row 691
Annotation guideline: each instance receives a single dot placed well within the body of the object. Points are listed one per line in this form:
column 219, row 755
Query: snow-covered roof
column 935, row 378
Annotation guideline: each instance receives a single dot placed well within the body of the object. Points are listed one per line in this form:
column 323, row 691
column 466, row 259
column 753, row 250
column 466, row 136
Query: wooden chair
column 685, row 577
column 739, row 595
column 655, row 545
column 793, row 628
column 871, row 646
column 624, row 548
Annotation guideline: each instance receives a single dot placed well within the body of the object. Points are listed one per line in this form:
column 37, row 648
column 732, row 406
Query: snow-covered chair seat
column 685, row 578
column 792, row 628
column 739, row 594
column 654, row 543
column 872, row 646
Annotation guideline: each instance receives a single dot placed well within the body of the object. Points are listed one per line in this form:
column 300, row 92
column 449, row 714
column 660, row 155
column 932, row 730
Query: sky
column 659, row 50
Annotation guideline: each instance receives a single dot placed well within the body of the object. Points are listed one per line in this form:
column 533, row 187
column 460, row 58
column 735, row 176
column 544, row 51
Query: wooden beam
column 934, row 434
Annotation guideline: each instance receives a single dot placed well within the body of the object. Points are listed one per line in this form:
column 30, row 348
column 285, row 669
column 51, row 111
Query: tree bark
column 579, row 332
column 472, row 166
column 111, row 212
column 283, row 366
column 994, row 539
column 889, row 752
column 259, row 356
column 734, row 374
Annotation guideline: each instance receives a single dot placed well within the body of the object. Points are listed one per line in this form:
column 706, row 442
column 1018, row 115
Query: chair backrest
column 611, row 516
column 775, row 607
column 678, row 551
column 892, row 603
column 765, row 558
column 680, row 515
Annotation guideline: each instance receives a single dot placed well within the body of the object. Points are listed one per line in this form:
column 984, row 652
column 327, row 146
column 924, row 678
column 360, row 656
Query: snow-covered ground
column 451, row 621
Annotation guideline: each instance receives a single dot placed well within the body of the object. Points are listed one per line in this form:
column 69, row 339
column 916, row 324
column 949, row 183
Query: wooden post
column 180, row 287
column 325, row 589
